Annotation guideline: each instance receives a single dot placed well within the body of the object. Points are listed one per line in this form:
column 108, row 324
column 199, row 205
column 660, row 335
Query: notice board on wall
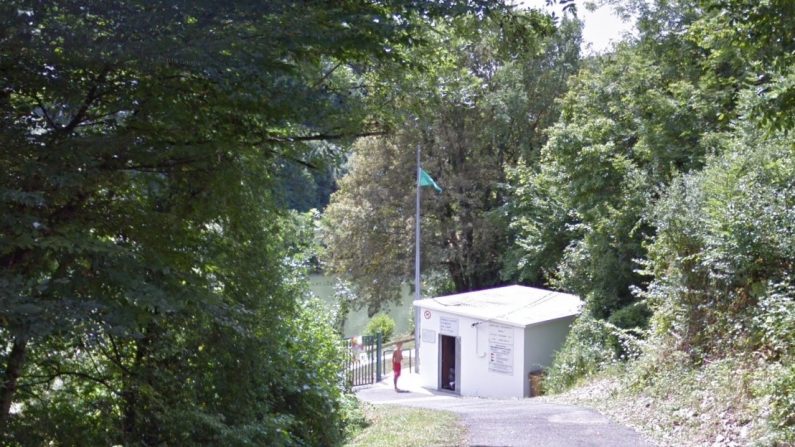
column 428, row 336
column 501, row 348
column 448, row 326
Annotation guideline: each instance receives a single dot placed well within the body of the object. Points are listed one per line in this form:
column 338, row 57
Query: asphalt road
column 516, row 422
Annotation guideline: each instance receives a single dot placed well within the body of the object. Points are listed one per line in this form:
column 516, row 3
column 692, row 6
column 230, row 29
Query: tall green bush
column 381, row 323
column 781, row 391
column 724, row 249
column 591, row 346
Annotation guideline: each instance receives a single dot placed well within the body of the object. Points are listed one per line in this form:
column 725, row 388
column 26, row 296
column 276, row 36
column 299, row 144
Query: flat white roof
column 512, row 305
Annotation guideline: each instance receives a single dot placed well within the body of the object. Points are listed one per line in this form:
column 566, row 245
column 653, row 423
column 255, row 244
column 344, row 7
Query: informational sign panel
column 448, row 326
column 429, row 336
column 501, row 348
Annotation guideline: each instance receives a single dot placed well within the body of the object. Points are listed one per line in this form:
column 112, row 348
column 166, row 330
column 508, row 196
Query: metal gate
column 362, row 360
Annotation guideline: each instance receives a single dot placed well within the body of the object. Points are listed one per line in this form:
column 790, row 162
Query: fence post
column 378, row 358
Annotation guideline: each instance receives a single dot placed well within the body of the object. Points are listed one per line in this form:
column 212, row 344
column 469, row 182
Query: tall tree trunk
column 16, row 359
column 130, row 394
column 139, row 426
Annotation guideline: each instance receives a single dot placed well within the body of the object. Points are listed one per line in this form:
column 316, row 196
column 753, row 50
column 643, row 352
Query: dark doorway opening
column 448, row 373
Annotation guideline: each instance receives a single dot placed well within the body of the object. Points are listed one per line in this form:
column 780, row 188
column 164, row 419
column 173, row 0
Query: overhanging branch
column 323, row 137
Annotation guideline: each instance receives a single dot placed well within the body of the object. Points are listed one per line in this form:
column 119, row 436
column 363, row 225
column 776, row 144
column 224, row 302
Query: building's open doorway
column 449, row 362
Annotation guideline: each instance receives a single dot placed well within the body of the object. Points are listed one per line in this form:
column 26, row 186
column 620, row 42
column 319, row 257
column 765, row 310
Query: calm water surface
column 323, row 287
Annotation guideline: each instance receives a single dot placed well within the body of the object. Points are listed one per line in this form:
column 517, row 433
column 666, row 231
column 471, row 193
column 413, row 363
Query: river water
column 323, row 287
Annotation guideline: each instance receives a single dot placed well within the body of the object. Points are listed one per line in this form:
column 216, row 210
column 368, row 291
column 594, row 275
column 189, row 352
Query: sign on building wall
column 448, row 326
column 428, row 336
column 501, row 348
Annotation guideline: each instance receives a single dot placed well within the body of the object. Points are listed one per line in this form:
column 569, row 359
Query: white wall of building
column 492, row 355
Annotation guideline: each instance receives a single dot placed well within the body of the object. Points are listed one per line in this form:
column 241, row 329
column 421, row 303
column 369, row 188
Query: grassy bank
column 393, row 426
column 722, row 403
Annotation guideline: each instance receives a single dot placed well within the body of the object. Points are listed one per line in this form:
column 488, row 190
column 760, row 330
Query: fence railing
column 362, row 360
column 389, row 348
column 367, row 359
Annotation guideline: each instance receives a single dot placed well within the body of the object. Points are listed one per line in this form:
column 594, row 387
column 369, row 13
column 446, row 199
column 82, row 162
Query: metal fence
column 362, row 360
column 367, row 359
column 386, row 356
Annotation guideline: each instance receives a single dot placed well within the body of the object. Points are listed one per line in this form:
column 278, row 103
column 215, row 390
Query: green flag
column 426, row 180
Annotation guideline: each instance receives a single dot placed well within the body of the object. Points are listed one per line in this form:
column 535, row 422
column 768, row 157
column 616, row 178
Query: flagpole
column 417, row 281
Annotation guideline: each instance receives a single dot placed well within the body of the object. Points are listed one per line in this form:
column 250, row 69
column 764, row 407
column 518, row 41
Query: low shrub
column 353, row 415
column 777, row 385
column 381, row 323
column 592, row 345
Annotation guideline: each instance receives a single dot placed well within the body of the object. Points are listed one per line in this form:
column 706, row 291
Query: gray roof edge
column 515, row 286
column 453, row 310
column 553, row 320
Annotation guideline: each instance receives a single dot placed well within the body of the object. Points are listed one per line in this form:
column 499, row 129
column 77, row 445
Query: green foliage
column 665, row 189
column 151, row 291
column 591, row 346
column 632, row 316
column 315, row 394
column 78, row 412
column 383, row 324
column 629, row 123
column 633, row 121
column 353, row 416
column 779, row 387
column 542, row 227
column 371, row 207
column 387, row 427
column 411, row 317
column 298, row 189
column 345, row 298
column 753, row 40
column 485, row 104
column 723, row 256
column 773, row 323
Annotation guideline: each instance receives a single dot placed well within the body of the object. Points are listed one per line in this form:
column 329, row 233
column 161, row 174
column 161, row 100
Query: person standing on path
column 397, row 359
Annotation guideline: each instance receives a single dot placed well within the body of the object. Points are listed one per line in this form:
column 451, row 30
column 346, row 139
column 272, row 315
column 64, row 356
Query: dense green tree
column 666, row 186
column 492, row 99
column 721, row 247
column 751, row 45
column 302, row 188
column 147, row 293
column 365, row 227
column 723, row 262
column 725, row 240
column 631, row 121
column 722, row 258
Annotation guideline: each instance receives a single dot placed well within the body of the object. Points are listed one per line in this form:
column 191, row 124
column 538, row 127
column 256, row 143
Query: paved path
column 517, row 422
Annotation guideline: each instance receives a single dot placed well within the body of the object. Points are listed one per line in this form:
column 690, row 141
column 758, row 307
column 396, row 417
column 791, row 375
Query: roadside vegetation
column 702, row 353
column 394, row 426
column 727, row 402
column 171, row 171
column 656, row 183
column 152, row 274
column 383, row 324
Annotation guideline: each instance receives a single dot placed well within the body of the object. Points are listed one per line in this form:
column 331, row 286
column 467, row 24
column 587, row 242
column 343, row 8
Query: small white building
column 486, row 343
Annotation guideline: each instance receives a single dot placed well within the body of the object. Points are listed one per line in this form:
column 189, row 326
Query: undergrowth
column 395, row 426
column 592, row 346
column 737, row 400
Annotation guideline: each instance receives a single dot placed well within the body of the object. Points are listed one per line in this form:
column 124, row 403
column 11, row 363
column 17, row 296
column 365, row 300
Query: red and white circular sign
column 427, row 314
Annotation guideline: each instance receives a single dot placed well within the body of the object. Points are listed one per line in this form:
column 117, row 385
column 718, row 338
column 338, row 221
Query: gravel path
column 517, row 422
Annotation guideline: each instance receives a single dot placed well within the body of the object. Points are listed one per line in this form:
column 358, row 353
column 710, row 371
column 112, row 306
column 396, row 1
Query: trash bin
column 536, row 379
